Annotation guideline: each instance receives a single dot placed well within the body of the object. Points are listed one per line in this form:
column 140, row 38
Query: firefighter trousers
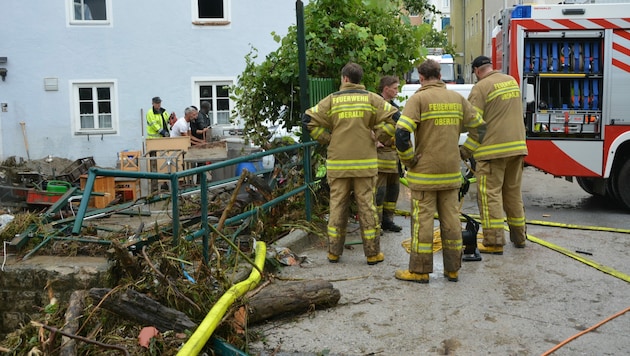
column 423, row 207
column 387, row 190
column 498, row 190
column 341, row 190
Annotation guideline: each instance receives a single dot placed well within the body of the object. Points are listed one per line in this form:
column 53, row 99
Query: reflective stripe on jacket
column 345, row 120
column 155, row 123
column 436, row 116
column 497, row 97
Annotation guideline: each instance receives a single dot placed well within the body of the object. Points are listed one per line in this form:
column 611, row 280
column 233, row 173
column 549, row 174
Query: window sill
column 89, row 133
column 211, row 23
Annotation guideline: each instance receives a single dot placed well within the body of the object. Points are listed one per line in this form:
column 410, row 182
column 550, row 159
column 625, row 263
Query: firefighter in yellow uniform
column 345, row 121
column 497, row 97
column 435, row 116
column 388, row 183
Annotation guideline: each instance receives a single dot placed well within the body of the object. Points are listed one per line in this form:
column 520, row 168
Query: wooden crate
column 104, row 185
column 128, row 188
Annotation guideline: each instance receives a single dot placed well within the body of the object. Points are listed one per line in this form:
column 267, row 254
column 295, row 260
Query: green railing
column 174, row 178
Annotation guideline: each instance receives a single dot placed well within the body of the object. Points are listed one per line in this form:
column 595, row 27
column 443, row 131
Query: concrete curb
column 297, row 241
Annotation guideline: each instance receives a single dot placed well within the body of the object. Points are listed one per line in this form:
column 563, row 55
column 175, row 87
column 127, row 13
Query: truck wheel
column 587, row 184
column 623, row 188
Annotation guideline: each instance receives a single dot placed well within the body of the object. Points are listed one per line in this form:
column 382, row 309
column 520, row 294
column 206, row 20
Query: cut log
column 143, row 310
column 283, row 298
column 73, row 314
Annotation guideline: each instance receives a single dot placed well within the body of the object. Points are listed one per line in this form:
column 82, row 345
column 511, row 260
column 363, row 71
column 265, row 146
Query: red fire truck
column 577, row 59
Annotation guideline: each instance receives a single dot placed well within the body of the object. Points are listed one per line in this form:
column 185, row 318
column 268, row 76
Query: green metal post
column 204, row 215
column 304, row 101
column 175, row 205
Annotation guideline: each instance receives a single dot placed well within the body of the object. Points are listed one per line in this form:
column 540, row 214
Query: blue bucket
column 250, row 166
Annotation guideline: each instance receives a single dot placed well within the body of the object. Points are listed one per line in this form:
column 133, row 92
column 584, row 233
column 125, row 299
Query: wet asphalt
column 573, row 274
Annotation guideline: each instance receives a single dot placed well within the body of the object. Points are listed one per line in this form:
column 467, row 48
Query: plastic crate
column 73, row 172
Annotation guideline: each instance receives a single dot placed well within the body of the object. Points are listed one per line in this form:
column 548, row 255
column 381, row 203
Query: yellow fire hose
column 554, row 247
column 200, row 337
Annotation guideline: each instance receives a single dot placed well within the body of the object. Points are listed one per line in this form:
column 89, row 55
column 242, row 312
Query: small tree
column 374, row 33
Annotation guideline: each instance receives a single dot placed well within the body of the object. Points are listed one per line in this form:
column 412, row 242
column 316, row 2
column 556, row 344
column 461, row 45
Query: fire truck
column 577, row 59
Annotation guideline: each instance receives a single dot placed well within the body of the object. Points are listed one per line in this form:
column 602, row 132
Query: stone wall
column 24, row 285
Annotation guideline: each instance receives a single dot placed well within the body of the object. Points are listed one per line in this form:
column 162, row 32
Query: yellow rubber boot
column 405, row 275
column 332, row 258
column 451, row 276
column 372, row 260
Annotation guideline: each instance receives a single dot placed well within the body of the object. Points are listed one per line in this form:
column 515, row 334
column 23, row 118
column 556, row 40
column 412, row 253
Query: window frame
column 225, row 20
column 73, row 22
column 214, row 82
column 75, row 108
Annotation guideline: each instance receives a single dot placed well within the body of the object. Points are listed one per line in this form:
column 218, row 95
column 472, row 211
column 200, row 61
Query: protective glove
column 401, row 170
column 164, row 133
column 464, row 153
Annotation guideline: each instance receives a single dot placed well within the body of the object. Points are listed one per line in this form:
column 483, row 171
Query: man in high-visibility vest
column 157, row 120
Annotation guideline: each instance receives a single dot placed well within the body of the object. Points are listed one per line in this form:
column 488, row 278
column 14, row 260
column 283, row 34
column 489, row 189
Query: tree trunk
column 143, row 310
column 292, row 297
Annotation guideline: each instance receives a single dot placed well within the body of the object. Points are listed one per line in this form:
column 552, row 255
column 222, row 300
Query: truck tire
column 623, row 188
column 588, row 185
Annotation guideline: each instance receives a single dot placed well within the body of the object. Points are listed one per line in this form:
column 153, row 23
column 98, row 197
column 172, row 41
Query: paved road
column 522, row 303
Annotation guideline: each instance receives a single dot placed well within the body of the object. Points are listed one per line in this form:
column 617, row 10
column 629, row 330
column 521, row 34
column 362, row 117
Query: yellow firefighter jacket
column 344, row 121
column 497, row 97
column 387, row 156
column 435, row 116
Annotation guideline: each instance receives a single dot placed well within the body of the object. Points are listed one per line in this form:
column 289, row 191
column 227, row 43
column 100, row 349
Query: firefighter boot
column 406, row 275
column 332, row 258
column 387, row 222
column 491, row 249
column 493, row 241
column 378, row 258
column 518, row 236
column 451, row 276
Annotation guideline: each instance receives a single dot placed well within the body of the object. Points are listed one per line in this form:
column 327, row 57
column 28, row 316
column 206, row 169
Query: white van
column 409, row 89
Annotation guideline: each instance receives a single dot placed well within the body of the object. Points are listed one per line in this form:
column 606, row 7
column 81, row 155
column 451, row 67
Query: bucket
column 57, row 186
column 250, row 166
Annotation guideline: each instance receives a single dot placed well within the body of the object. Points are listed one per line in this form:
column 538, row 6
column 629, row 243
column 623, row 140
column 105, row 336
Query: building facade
column 79, row 75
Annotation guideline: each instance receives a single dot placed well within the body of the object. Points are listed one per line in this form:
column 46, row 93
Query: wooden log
column 143, row 310
column 73, row 314
column 283, row 298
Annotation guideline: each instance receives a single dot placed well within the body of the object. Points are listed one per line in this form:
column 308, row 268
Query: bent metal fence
column 175, row 177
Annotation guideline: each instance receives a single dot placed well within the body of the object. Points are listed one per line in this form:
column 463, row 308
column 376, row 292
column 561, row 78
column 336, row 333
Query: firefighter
column 389, row 169
column 497, row 97
column 435, row 116
column 345, row 121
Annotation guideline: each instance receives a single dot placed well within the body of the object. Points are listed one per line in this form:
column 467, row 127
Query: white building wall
column 149, row 48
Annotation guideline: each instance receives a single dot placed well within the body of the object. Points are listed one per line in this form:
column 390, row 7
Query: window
column 446, row 3
column 93, row 108
column 89, row 12
column 218, row 94
column 213, row 12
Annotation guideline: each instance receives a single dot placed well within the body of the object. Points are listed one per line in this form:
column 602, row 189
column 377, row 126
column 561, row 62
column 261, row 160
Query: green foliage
column 369, row 32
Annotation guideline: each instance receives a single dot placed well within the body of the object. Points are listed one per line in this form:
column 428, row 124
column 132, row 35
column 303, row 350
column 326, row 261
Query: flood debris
column 153, row 282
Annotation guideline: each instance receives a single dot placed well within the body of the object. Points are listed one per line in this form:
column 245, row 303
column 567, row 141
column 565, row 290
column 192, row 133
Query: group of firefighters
column 366, row 136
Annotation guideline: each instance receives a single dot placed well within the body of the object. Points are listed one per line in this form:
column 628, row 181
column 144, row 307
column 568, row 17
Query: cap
column 480, row 61
column 156, row 99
